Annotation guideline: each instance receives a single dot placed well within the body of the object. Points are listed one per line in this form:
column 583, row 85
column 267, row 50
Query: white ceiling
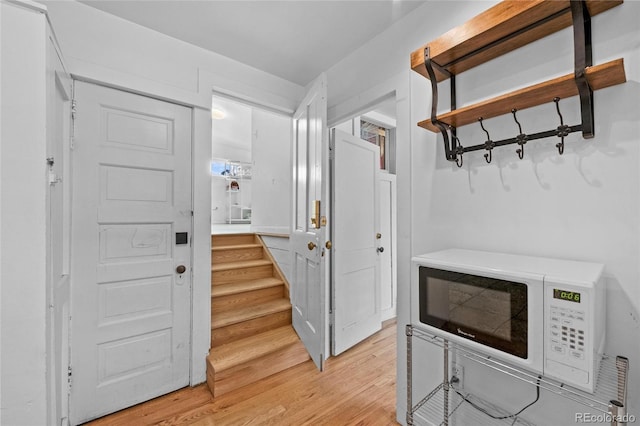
column 295, row 40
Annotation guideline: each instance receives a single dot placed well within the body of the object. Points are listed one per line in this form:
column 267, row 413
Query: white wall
column 584, row 205
column 219, row 206
column 271, row 175
column 232, row 135
column 102, row 47
column 23, row 222
column 279, row 247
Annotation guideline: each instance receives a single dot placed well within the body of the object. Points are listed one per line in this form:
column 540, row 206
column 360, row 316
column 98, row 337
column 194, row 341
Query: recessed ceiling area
column 294, row 40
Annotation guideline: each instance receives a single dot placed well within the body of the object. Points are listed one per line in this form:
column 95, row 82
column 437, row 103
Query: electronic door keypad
column 182, row 238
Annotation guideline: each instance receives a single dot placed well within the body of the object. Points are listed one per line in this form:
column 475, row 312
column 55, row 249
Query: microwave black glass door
column 486, row 310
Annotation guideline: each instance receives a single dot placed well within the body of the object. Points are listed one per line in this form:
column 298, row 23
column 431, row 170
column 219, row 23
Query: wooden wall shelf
column 599, row 77
column 503, row 28
column 507, row 26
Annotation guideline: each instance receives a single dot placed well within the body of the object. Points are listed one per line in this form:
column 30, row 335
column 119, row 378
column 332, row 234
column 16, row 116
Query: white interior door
column 310, row 160
column 387, row 242
column 130, row 306
column 356, row 278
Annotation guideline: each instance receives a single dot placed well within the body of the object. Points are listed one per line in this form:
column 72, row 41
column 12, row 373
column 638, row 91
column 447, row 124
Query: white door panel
column 132, row 193
column 356, row 280
column 310, row 159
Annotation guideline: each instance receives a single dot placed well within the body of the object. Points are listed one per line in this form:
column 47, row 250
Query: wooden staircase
column 251, row 332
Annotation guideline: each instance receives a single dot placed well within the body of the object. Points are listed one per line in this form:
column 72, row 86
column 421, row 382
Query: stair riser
column 242, row 300
column 250, row 372
column 232, row 239
column 235, row 255
column 231, row 333
column 235, row 275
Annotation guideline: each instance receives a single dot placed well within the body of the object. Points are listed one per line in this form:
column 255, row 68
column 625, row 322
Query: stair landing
column 248, row 360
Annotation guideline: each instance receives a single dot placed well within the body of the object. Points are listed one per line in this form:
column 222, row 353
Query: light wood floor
column 356, row 388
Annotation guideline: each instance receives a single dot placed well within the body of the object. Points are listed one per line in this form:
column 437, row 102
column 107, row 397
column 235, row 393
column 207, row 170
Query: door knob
column 181, row 269
column 378, row 236
column 328, row 245
column 311, row 245
column 380, row 249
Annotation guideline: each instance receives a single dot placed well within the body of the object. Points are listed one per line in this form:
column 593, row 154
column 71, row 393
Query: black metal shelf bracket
column 582, row 60
column 449, row 145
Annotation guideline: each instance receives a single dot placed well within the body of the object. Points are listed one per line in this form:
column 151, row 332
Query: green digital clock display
column 571, row 296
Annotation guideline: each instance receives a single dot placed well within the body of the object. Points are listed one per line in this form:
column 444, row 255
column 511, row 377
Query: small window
column 219, row 168
column 376, row 135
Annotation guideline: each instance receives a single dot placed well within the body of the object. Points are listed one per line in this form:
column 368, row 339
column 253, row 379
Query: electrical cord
column 477, row 407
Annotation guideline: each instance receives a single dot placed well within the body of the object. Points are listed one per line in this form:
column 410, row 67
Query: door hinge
column 69, row 379
column 73, row 123
column 332, row 149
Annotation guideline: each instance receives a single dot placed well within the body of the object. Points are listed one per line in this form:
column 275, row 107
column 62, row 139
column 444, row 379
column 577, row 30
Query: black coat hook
column 522, row 138
column 563, row 130
column 458, row 148
column 459, row 160
column 489, row 144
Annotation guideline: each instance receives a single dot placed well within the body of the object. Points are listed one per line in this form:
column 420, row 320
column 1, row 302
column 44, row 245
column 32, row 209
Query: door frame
column 192, row 298
column 59, row 290
column 339, row 114
column 197, row 247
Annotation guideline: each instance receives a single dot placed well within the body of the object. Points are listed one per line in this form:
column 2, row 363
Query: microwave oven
column 544, row 315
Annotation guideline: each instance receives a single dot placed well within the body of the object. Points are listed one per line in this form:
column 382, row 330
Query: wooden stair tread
column 236, row 247
column 223, row 319
column 250, row 348
column 599, row 77
column 232, row 239
column 478, row 40
column 244, row 286
column 226, row 266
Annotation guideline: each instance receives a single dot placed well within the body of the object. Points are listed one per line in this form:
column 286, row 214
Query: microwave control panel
column 567, row 341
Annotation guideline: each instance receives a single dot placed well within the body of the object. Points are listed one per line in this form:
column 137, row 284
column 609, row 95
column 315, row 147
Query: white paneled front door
column 310, row 158
column 132, row 204
column 356, row 277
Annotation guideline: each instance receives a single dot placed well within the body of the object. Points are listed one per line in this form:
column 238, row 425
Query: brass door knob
column 311, row 245
column 328, row 245
column 181, row 269
column 378, row 236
